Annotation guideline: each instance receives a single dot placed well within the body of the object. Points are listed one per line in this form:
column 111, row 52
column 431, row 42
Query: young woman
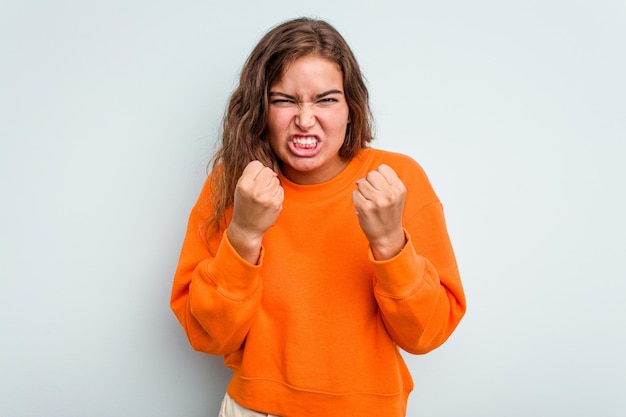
column 311, row 258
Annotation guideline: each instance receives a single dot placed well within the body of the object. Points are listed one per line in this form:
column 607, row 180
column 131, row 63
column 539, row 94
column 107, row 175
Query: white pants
column 230, row 408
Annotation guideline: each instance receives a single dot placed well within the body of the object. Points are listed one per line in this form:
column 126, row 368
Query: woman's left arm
column 419, row 291
column 418, row 288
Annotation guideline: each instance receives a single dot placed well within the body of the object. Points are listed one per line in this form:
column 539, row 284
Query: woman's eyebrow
column 327, row 93
column 275, row 93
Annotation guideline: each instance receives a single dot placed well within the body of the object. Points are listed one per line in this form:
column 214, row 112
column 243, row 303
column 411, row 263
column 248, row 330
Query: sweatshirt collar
column 354, row 171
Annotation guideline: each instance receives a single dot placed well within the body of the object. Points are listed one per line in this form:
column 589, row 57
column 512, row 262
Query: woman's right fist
column 257, row 203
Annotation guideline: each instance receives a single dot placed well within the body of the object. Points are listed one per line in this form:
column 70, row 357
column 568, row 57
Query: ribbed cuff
column 401, row 275
column 234, row 277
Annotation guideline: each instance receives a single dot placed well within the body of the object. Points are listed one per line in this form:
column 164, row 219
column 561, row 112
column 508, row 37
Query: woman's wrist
column 247, row 245
column 389, row 247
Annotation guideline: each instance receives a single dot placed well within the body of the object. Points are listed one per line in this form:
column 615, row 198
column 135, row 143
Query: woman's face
column 308, row 118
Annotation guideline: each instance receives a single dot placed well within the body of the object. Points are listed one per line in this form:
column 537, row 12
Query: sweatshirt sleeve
column 419, row 291
column 215, row 298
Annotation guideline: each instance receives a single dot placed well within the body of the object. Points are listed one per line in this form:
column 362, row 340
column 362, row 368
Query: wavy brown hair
column 244, row 132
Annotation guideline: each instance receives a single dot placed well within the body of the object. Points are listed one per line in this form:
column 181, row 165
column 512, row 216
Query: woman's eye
column 282, row 101
column 327, row 100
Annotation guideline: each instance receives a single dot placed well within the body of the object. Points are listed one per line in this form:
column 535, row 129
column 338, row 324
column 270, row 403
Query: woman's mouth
column 304, row 146
column 306, row 142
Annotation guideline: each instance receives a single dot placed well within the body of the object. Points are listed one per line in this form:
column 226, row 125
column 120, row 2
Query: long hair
column 244, row 131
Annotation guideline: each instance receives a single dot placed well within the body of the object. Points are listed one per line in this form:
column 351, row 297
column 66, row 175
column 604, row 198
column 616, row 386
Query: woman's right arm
column 216, row 298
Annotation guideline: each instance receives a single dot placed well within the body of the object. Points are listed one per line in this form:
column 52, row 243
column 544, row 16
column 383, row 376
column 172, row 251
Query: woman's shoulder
column 400, row 162
column 410, row 173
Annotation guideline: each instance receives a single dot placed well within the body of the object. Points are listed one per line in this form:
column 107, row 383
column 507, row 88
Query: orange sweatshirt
column 314, row 328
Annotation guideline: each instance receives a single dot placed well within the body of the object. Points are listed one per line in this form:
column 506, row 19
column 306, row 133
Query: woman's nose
column 305, row 119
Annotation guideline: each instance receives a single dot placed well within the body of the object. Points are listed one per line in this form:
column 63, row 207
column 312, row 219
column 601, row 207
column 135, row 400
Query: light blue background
column 108, row 115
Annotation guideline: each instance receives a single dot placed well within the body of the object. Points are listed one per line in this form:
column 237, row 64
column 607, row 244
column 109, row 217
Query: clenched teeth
column 306, row 142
